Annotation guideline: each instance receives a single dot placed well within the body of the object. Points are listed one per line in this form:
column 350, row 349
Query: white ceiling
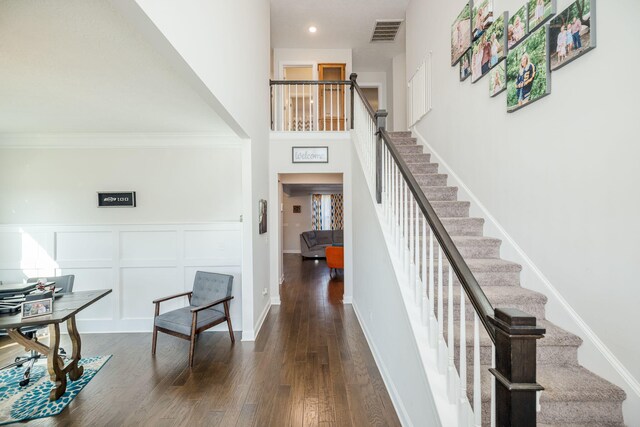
column 79, row 66
column 341, row 24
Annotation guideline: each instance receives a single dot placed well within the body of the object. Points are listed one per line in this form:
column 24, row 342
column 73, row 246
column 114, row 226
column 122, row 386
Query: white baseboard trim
column 282, row 279
column 347, row 299
column 252, row 335
column 275, row 300
column 291, row 251
column 578, row 326
column 386, row 378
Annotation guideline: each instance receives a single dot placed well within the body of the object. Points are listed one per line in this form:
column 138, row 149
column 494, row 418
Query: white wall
column 399, row 108
column 295, row 223
column 559, row 176
column 186, row 219
column 375, row 79
column 227, row 45
column 172, row 184
column 378, row 303
column 280, row 163
column 282, row 56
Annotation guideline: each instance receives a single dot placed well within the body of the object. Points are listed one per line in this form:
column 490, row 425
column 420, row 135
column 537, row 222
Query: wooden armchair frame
column 194, row 322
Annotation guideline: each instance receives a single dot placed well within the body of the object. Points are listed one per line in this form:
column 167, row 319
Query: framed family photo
column 497, row 79
column 481, row 17
column 539, row 12
column 461, row 34
column 572, row 33
column 489, row 49
column 518, row 26
column 34, row 308
column 465, row 66
column 528, row 73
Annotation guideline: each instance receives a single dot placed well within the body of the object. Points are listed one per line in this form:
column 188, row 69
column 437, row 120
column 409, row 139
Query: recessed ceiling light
column 312, row 29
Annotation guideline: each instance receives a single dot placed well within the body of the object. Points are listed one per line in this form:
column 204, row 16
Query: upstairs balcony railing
column 311, row 105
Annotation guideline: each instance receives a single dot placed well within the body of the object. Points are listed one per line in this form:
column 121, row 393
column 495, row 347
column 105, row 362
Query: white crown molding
column 118, row 140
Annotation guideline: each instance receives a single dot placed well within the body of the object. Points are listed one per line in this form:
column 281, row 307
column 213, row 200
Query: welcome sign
column 310, row 155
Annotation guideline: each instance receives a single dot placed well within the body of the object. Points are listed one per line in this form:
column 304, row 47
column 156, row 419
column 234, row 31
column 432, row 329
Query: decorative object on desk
column 497, row 79
column 262, row 216
column 39, row 307
column 528, row 77
column 572, row 33
column 310, row 154
column 461, row 34
column 465, row 66
column 27, row 403
column 122, row 199
column 481, row 17
column 518, row 26
column 297, row 209
column 539, row 12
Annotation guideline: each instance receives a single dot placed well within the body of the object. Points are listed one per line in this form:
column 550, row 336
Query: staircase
column 573, row 396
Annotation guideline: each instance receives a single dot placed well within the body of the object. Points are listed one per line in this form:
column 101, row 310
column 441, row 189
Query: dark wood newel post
column 271, row 92
column 515, row 371
column 352, row 77
column 381, row 124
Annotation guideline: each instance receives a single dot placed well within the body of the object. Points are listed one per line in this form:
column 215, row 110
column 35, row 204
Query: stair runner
column 573, row 395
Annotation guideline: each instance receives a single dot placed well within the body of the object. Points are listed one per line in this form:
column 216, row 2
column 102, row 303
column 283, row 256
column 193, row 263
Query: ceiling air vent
column 386, row 30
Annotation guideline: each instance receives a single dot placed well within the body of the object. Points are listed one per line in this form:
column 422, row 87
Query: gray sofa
column 312, row 243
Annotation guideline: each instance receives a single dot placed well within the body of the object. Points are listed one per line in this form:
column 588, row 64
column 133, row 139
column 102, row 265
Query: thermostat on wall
column 120, row 199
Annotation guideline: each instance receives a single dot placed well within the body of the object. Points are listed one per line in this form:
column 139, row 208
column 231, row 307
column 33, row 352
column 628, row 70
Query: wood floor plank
column 310, row 366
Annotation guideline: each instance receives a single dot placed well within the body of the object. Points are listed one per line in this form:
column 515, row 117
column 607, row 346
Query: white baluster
column 416, row 256
column 493, row 386
column 331, row 104
column 451, row 371
column 433, row 331
column 324, row 108
column 423, row 287
column 304, row 107
column 405, row 245
column 339, row 87
column 462, row 404
column 442, row 355
column 477, row 392
column 296, row 113
column 411, row 266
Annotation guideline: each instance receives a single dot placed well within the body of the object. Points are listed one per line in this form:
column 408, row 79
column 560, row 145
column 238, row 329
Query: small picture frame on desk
column 34, row 308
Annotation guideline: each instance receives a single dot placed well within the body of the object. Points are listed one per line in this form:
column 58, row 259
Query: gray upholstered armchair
column 209, row 290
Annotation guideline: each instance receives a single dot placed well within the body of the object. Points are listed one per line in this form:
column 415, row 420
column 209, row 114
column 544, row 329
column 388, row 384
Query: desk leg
column 75, row 371
column 55, row 365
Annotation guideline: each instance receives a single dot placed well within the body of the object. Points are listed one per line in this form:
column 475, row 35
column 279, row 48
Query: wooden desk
column 65, row 309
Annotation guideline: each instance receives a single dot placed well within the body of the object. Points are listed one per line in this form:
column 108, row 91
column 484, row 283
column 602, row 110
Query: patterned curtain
column 337, row 212
column 316, row 207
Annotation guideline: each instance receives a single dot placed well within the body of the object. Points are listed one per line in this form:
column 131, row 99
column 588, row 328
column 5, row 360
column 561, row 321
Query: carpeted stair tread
column 554, row 336
column 488, row 265
column 401, row 133
column 575, row 383
column 441, row 193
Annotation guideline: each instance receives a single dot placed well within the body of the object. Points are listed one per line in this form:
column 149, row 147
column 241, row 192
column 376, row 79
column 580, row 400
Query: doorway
column 312, row 229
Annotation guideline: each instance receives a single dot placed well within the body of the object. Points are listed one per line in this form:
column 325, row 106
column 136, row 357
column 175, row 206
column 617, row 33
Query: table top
column 65, row 307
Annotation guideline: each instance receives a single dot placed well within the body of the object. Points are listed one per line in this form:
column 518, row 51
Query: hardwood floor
column 310, row 366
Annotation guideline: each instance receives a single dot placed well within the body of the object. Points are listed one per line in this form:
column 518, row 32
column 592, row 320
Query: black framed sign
column 119, row 199
column 310, row 154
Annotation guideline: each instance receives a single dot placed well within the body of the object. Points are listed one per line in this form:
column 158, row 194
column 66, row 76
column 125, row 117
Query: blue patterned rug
column 30, row 402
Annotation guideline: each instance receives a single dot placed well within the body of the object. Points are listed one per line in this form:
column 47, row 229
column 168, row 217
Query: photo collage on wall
column 535, row 40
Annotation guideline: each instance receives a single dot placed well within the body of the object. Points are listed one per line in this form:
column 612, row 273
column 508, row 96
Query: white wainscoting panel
column 139, row 262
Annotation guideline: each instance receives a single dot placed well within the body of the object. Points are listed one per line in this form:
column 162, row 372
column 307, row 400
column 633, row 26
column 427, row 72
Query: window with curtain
column 327, row 211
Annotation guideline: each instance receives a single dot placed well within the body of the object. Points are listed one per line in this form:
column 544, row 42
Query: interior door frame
column 342, row 120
